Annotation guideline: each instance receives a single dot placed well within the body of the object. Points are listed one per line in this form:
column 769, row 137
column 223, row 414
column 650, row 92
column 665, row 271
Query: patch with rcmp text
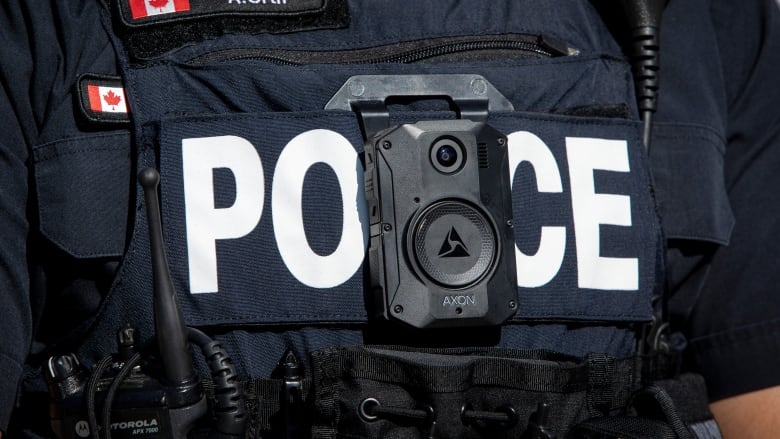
column 143, row 11
column 102, row 99
column 148, row 10
column 152, row 28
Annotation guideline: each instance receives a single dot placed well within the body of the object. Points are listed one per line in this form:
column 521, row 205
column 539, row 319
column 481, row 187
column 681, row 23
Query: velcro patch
column 152, row 28
column 144, row 11
column 102, row 99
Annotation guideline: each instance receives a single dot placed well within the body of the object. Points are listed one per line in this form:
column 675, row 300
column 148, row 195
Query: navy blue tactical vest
column 266, row 225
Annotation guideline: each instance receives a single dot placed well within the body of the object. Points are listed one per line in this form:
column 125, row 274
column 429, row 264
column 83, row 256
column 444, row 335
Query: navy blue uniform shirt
column 725, row 296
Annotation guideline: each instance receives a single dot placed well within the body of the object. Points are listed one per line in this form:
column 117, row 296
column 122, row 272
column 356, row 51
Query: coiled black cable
column 644, row 23
column 645, row 62
column 229, row 407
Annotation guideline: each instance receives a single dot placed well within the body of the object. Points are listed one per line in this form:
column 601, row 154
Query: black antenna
column 168, row 320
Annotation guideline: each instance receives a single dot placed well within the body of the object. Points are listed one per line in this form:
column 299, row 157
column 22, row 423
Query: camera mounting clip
column 472, row 95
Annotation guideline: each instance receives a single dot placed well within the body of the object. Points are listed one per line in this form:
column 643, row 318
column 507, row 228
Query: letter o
column 303, row 151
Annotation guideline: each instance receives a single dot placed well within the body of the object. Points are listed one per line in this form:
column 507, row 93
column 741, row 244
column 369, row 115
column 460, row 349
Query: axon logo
column 461, row 300
column 209, row 223
column 453, row 246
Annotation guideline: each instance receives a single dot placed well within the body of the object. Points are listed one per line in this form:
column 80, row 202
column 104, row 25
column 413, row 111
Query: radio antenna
column 168, row 320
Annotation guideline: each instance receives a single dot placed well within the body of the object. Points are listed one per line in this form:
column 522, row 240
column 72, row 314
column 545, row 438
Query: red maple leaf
column 158, row 3
column 111, row 98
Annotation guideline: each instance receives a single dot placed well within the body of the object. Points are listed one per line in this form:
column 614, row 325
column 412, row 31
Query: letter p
column 206, row 223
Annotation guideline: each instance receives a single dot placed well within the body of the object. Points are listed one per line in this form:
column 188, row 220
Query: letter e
column 592, row 209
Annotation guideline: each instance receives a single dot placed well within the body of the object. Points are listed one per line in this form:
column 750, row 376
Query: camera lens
column 447, row 155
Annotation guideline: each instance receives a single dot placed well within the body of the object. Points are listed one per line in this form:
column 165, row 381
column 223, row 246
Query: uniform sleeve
column 17, row 122
column 734, row 329
column 44, row 46
column 15, row 325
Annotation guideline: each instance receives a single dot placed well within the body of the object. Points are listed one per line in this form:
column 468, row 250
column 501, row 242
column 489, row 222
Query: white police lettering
column 538, row 269
column 206, row 223
column 591, row 210
column 334, row 150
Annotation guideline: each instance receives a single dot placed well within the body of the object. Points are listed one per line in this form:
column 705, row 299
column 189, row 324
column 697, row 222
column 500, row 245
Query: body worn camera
column 441, row 241
column 441, row 247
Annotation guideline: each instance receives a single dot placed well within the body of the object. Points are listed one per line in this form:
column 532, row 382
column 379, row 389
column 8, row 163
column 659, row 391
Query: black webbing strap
column 598, row 396
column 673, row 408
column 452, row 380
column 456, row 370
column 625, row 427
column 601, row 382
column 603, row 389
column 447, row 379
column 263, row 403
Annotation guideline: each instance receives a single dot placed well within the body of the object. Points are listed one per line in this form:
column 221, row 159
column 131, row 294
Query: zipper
column 443, row 49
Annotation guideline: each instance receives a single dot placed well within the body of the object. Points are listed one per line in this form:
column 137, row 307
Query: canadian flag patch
column 148, row 8
column 106, row 99
column 103, row 98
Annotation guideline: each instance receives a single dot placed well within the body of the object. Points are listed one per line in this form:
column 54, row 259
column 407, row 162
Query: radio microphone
column 643, row 18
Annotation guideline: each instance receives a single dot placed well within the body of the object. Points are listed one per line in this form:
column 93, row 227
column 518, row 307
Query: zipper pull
column 555, row 46
column 292, row 393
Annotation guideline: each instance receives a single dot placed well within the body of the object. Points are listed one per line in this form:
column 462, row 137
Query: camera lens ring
column 447, row 155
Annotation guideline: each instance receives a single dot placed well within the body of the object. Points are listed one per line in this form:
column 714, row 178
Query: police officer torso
column 260, row 117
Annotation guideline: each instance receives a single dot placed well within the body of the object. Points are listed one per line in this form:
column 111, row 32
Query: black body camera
column 441, row 250
column 441, row 241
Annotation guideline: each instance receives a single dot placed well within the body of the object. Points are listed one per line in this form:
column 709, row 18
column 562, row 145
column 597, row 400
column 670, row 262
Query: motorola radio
column 129, row 395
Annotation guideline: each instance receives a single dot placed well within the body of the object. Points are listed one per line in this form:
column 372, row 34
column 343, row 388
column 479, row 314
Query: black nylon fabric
column 451, row 381
column 669, row 408
column 735, row 323
column 623, row 427
column 395, row 391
